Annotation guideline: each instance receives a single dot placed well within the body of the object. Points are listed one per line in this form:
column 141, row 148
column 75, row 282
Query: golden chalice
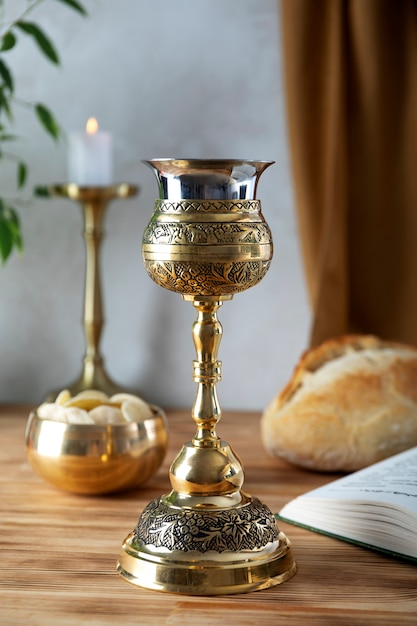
column 207, row 240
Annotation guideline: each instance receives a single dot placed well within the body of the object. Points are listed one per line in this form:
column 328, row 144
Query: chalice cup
column 207, row 240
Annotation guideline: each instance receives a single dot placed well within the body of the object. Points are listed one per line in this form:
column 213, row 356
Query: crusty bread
column 351, row 401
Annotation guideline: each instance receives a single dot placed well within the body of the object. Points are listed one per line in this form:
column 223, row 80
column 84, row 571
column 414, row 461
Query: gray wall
column 167, row 78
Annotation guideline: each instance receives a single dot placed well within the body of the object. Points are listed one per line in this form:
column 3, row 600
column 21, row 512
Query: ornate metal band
column 207, row 206
column 249, row 527
column 177, row 233
column 207, row 372
column 206, row 279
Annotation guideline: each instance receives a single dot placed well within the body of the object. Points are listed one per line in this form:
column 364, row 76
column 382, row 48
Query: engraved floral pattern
column 207, row 234
column 206, row 279
column 249, row 527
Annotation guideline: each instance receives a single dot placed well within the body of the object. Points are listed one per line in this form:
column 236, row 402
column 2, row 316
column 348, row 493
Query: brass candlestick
column 93, row 201
column 207, row 240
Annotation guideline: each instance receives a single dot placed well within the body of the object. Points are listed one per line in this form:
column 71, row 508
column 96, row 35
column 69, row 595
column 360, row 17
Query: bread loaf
column 350, row 402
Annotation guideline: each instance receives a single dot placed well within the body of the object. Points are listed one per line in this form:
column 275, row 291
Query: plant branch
column 22, row 16
column 10, row 230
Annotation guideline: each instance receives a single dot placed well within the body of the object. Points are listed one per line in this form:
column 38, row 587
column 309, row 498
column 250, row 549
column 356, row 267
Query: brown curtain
column 350, row 71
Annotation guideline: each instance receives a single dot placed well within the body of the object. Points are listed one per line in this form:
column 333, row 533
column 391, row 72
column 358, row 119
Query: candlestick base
column 93, row 376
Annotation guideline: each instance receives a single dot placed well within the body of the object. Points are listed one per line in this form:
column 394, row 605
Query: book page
column 392, row 481
column 375, row 507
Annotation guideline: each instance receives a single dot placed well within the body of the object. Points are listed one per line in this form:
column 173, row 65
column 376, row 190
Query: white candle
column 90, row 156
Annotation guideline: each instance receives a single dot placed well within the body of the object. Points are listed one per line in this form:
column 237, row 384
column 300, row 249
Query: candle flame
column 92, row 126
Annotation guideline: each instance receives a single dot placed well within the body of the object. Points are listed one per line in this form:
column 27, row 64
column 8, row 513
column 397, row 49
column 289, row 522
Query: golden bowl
column 96, row 459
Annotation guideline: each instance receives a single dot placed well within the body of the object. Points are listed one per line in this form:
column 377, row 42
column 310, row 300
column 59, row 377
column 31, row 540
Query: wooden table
column 59, row 551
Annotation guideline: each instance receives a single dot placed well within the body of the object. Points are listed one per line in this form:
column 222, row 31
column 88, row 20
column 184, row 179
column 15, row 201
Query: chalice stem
column 207, row 333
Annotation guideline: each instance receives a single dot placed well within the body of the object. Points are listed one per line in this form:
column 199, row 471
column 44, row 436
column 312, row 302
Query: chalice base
column 206, row 551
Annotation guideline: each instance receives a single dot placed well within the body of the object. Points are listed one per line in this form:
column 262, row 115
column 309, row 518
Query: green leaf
column 10, row 234
column 6, row 76
column 6, row 239
column 8, row 41
column 8, row 137
column 75, row 5
column 5, row 104
column 41, row 39
column 47, row 120
column 22, row 172
column 41, row 191
column 14, row 226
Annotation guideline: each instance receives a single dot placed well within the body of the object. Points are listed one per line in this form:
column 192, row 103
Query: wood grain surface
column 59, row 551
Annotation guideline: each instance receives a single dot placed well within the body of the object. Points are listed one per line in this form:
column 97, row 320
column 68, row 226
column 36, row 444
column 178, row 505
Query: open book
column 375, row 507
